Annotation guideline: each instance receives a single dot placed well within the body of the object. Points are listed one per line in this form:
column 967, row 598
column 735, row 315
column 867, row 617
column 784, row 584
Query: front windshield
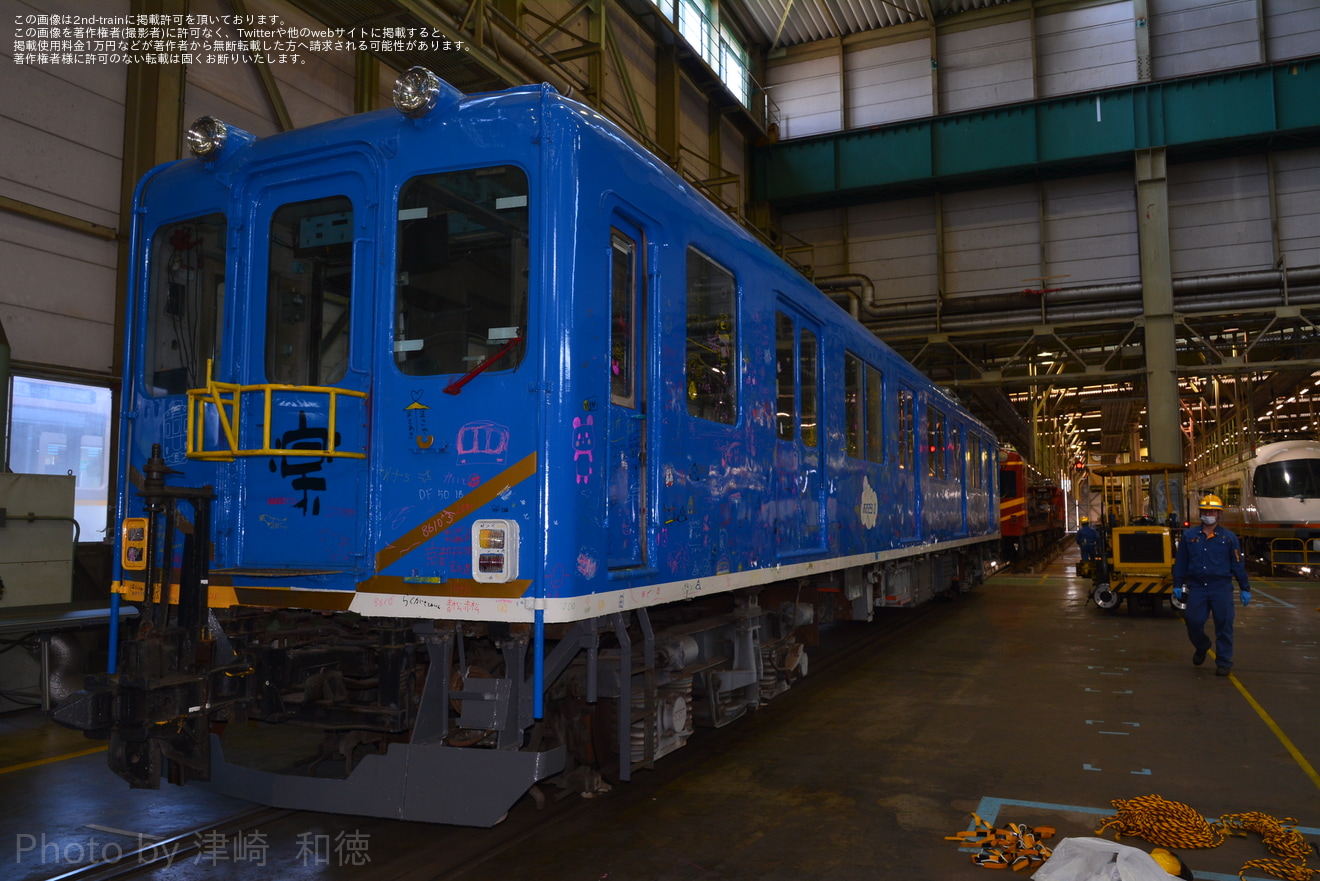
column 462, row 271
column 187, row 272
column 1297, row 478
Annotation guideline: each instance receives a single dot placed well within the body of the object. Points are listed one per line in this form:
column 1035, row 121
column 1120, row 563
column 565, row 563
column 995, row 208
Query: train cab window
column 935, row 466
column 863, row 409
column 1008, row 484
column 1296, row 478
column 712, row 340
column 311, row 284
column 461, row 271
column 1232, row 494
column 185, row 303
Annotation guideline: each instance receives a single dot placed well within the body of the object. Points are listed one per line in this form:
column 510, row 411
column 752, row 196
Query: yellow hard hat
column 1086, row 519
column 1170, row 863
column 1212, row 501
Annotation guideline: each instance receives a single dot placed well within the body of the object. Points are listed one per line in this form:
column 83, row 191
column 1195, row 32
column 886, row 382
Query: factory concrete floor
column 1019, row 701
column 1023, row 703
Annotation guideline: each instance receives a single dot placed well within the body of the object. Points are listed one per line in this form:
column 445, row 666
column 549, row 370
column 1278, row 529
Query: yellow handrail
column 229, row 410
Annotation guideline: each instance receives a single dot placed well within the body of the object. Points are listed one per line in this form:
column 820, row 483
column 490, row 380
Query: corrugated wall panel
column 1292, row 28
column 1081, row 50
column 733, row 156
column 823, row 230
column 315, row 91
column 693, row 127
column 1297, row 184
column 985, row 67
column 58, row 295
column 1091, row 230
column 1219, row 216
column 806, row 94
column 991, row 240
column 1195, row 36
column 889, row 83
column 894, row 244
column 638, row 53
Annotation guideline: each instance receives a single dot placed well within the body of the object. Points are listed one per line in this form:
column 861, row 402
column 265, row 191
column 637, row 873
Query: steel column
column 1162, row 413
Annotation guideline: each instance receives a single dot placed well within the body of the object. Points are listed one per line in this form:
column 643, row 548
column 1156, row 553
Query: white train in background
column 1271, row 501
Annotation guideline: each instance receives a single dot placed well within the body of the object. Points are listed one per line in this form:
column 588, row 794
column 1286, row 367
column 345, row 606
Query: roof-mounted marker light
column 206, row 138
column 416, row 92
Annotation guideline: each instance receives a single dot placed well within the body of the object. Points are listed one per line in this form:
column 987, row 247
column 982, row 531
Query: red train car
column 1030, row 508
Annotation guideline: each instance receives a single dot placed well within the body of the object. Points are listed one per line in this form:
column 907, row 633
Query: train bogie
column 495, row 422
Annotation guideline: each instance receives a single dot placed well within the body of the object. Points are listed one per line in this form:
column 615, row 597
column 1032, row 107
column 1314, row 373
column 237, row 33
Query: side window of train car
column 935, row 467
column 311, row 285
column 795, row 388
column 864, row 416
column 461, row 271
column 1233, row 494
column 785, row 385
column 623, row 321
column 185, row 303
column 957, row 471
column 907, row 430
column 712, row 340
column 975, row 479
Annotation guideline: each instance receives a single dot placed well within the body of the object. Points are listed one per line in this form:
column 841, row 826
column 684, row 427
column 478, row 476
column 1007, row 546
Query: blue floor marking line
column 1274, row 598
column 989, row 808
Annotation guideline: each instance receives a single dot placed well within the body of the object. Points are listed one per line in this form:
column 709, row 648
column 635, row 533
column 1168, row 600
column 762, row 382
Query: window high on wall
column 699, row 23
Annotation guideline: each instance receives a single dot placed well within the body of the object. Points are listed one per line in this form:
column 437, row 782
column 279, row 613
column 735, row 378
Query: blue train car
column 469, row 437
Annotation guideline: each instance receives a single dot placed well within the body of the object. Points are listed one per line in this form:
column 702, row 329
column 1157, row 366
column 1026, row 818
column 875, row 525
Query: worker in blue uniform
column 1086, row 539
column 1208, row 559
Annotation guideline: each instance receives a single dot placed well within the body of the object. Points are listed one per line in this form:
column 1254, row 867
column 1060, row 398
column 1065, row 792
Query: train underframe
column 434, row 720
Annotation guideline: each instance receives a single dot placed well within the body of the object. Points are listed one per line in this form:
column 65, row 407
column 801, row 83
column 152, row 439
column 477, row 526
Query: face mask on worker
column 1210, row 519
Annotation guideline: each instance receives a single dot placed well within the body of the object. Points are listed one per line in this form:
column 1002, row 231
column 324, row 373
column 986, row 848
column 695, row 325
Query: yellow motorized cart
column 1139, row 532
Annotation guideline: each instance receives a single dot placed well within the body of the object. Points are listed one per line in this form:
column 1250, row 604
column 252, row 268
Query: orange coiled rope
column 1163, row 822
column 1283, row 840
column 1172, row 824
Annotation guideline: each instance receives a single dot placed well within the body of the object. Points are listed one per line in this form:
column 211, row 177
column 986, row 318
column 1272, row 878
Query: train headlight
column 495, row 550
column 416, row 92
column 206, row 138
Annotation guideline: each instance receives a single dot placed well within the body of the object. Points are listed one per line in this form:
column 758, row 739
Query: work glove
column 1246, row 597
column 1178, row 594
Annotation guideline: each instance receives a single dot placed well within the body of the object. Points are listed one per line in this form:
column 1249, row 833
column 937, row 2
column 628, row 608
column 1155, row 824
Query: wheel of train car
column 1106, row 598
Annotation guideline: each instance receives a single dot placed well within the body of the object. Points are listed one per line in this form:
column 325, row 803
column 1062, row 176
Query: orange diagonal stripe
column 439, row 522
